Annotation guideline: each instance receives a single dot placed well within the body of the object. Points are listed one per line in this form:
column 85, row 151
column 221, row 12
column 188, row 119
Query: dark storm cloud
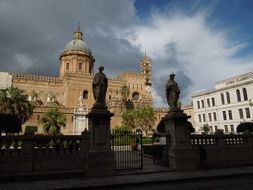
column 34, row 33
column 171, row 64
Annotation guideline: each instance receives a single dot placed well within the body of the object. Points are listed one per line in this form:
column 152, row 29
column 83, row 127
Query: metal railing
column 127, row 147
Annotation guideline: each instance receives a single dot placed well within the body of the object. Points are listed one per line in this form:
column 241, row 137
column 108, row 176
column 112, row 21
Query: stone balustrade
column 220, row 139
column 224, row 150
column 37, row 153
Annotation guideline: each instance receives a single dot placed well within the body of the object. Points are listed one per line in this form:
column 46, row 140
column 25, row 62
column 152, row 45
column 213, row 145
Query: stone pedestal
column 100, row 158
column 182, row 155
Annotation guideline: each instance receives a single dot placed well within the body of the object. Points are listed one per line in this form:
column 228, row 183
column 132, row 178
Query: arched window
column 245, row 95
column 228, row 97
column 135, row 96
column 238, row 95
column 67, row 66
column 80, row 66
column 222, row 98
column 85, row 94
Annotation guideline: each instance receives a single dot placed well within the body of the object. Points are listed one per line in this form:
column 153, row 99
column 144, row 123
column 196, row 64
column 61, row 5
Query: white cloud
column 187, row 44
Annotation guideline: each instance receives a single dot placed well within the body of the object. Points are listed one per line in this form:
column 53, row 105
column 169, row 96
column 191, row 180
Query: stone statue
column 172, row 93
column 99, row 85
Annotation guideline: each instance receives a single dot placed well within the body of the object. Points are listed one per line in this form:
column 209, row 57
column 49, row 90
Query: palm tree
column 52, row 121
column 14, row 101
column 124, row 92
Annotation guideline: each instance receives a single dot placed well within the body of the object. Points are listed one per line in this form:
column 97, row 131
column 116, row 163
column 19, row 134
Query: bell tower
column 146, row 71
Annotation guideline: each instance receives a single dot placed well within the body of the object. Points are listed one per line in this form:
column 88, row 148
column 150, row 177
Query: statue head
column 101, row 68
column 172, row 76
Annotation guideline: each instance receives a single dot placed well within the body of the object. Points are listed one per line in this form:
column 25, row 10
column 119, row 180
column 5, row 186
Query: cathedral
column 72, row 93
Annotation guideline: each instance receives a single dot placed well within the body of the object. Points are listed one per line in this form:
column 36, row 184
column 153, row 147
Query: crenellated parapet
column 161, row 109
column 115, row 79
column 130, row 73
column 41, row 78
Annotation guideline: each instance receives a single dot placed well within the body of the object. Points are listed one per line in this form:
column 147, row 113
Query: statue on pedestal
column 99, row 85
column 172, row 93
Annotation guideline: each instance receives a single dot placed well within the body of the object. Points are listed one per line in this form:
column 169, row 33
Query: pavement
column 150, row 174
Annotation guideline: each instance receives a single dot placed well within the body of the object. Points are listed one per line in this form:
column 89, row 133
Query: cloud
column 199, row 54
column 34, row 33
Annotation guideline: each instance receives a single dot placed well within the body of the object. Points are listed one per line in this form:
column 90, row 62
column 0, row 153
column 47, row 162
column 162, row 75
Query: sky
column 201, row 41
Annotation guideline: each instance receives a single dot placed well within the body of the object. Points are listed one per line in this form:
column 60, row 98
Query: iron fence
column 127, row 147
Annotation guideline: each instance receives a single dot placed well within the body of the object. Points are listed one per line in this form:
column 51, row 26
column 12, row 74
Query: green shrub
column 121, row 130
column 246, row 126
column 31, row 129
column 147, row 140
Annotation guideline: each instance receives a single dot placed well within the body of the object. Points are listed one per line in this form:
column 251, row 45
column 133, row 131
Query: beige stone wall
column 76, row 76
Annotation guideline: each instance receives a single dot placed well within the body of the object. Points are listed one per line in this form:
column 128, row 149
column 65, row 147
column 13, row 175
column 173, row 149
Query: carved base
column 99, row 127
column 176, row 125
column 100, row 163
column 184, row 158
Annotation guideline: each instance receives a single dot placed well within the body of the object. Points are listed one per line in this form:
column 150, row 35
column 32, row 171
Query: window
column 90, row 69
column 214, row 116
column 226, row 128
column 202, row 102
column 222, row 98
column 238, row 95
column 213, row 102
column 67, row 66
column 228, row 97
column 80, row 66
column 240, row 114
column 198, row 104
column 232, row 128
column 224, row 115
column 199, row 118
column 247, row 112
column 204, row 118
column 38, row 117
column 230, row 114
column 245, row 96
column 85, row 94
column 135, row 96
column 210, row 116
column 208, row 102
column 211, row 129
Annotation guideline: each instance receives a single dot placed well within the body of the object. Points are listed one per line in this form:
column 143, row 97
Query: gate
column 127, row 147
column 160, row 149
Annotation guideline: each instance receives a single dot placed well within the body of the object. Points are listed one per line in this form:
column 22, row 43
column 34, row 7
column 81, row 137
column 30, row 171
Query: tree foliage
column 143, row 118
column 124, row 91
column 246, row 126
column 14, row 101
column 206, row 128
column 9, row 123
column 52, row 121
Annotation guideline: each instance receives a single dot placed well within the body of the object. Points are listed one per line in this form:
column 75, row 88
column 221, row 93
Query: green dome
column 77, row 44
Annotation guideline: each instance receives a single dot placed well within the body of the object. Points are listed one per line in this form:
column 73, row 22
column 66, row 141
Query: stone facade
column 75, row 80
column 225, row 106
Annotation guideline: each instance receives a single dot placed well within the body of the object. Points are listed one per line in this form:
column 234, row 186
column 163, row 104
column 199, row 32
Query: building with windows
column 72, row 93
column 225, row 106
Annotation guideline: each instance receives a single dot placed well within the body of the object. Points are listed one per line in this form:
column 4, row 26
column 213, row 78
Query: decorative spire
column 78, row 34
column 145, row 57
